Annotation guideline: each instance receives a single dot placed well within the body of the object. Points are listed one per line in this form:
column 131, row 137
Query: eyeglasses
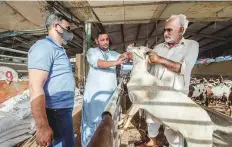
column 66, row 28
column 168, row 30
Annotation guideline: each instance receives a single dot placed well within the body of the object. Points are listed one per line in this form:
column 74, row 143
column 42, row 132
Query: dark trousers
column 61, row 122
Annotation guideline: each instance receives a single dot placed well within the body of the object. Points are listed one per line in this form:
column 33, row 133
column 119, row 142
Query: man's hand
column 130, row 55
column 121, row 59
column 153, row 57
column 44, row 135
column 124, row 55
column 106, row 64
column 170, row 65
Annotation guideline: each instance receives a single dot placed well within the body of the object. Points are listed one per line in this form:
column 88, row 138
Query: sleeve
column 156, row 48
column 117, row 55
column 92, row 57
column 190, row 59
column 40, row 56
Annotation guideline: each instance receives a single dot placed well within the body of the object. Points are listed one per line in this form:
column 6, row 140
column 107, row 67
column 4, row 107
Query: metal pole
column 22, row 71
column 88, row 35
column 13, row 57
column 12, row 50
column 86, row 46
column 156, row 32
column 83, row 55
column 12, row 63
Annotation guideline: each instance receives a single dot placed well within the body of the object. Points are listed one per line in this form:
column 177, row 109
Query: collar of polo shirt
column 54, row 41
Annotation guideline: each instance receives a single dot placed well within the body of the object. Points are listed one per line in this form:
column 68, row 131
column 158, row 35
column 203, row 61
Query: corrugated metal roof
column 126, row 22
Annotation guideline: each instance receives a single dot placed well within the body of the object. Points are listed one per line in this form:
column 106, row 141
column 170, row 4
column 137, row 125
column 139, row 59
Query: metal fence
column 107, row 134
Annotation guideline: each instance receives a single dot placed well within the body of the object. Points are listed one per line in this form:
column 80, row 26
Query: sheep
column 173, row 108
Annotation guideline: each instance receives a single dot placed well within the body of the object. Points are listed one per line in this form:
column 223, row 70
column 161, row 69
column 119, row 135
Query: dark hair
column 54, row 18
column 101, row 33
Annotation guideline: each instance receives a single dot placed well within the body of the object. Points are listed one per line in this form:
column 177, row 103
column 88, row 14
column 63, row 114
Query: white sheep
column 174, row 109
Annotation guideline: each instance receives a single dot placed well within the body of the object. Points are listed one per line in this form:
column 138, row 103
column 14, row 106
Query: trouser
column 61, row 122
column 175, row 139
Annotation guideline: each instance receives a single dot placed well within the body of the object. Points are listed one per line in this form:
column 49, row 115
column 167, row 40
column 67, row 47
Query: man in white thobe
column 172, row 63
column 100, row 85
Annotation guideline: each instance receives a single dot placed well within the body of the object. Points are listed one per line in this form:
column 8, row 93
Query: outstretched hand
column 122, row 59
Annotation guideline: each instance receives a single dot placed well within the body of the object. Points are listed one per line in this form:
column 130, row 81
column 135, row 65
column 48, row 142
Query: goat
column 173, row 108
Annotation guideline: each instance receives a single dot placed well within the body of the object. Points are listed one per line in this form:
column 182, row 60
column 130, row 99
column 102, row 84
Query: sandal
column 142, row 143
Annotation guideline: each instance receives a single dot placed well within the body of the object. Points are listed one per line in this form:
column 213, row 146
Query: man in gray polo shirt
column 52, row 85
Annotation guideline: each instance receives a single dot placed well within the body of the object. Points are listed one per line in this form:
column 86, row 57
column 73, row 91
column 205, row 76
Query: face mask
column 66, row 36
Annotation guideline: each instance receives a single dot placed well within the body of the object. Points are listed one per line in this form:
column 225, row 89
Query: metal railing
column 113, row 109
column 12, row 50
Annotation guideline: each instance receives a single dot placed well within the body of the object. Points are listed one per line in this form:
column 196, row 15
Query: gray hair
column 182, row 19
column 54, row 18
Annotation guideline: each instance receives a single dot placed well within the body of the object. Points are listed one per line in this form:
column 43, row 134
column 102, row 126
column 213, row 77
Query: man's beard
column 171, row 39
column 104, row 48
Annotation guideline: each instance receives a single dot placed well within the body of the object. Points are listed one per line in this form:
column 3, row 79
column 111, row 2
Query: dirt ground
column 221, row 108
column 137, row 130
